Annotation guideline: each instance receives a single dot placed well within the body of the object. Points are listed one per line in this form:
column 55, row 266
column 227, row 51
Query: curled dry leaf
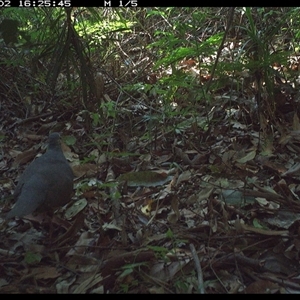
column 84, row 170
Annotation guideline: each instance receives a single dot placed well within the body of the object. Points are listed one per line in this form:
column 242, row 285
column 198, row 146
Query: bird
column 47, row 182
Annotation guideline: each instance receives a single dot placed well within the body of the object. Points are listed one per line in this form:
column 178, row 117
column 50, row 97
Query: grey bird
column 46, row 183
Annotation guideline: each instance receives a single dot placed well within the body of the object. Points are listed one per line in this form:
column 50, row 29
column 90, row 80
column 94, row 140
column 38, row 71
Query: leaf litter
column 236, row 211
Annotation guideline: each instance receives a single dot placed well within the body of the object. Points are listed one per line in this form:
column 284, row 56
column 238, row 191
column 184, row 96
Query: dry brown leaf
column 46, row 273
column 261, row 287
column 84, row 170
column 24, row 157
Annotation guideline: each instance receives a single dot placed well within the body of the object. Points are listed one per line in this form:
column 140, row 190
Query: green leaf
column 249, row 156
column 32, row 258
column 170, row 234
column 70, row 140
